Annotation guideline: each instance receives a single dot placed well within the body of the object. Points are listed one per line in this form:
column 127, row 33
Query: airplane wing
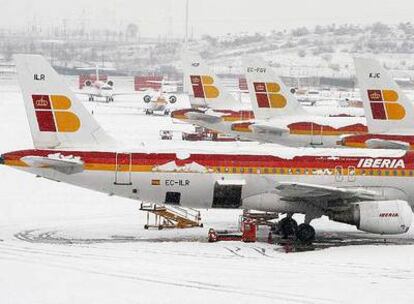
column 113, row 94
column 63, row 165
column 376, row 143
column 86, row 94
column 304, row 192
column 126, row 93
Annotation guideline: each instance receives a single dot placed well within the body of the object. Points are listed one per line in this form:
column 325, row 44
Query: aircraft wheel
column 287, row 227
column 146, row 227
column 305, row 233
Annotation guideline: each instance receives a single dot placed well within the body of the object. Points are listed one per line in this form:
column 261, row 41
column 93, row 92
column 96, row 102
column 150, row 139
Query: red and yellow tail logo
column 384, row 105
column 268, row 95
column 203, row 86
column 52, row 114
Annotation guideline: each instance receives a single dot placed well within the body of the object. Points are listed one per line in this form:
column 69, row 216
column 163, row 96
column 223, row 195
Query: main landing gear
column 288, row 228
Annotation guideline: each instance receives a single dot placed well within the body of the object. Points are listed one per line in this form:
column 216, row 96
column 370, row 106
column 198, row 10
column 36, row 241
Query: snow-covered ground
column 62, row 244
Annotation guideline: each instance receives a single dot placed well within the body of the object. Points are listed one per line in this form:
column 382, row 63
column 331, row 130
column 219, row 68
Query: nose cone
column 2, row 159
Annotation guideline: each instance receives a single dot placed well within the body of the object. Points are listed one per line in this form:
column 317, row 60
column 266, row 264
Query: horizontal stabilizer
column 65, row 165
column 268, row 129
column 204, row 117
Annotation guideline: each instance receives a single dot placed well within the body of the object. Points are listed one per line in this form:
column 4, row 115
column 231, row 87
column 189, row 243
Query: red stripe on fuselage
column 214, row 160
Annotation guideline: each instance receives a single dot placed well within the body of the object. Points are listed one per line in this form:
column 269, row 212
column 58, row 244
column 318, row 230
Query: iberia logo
column 53, row 115
column 268, row 95
column 203, row 86
column 384, row 105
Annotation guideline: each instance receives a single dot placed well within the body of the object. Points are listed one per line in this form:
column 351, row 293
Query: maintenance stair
column 171, row 216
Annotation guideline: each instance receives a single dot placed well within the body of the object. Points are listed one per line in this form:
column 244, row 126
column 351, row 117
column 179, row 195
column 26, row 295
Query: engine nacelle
column 172, row 99
column 88, row 83
column 380, row 217
column 110, row 83
column 147, row 98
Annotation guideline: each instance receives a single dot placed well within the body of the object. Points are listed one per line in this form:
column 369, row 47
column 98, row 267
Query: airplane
column 158, row 100
column 370, row 189
column 100, row 89
column 278, row 116
column 389, row 113
column 212, row 106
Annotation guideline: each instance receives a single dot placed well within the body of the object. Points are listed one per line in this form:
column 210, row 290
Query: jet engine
column 172, row 99
column 110, row 83
column 88, row 83
column 380, row 217
column 147, row 98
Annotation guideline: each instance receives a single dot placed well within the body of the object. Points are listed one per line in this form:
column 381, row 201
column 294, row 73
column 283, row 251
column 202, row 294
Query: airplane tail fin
column 204, row 87
column 56, row 117
column 386, row 107
column 269, row 96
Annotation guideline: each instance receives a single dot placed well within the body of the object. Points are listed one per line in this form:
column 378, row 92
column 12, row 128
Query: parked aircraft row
column 156, row 101
column 278, row 117
column 369, row 188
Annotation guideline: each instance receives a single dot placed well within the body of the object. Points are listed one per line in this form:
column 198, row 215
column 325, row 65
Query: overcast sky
column 214, row 17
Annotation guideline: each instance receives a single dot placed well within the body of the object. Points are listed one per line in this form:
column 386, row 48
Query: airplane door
column 123, row 167
column 227, row 196
column 316, row 135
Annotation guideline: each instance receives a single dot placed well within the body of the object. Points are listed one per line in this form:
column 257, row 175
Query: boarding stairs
column 170, row 216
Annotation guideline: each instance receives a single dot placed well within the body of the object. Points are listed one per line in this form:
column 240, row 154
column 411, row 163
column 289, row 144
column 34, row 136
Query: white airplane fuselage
column 196, row 180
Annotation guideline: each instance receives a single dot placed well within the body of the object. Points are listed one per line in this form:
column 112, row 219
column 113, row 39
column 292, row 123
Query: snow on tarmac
column 62, row 244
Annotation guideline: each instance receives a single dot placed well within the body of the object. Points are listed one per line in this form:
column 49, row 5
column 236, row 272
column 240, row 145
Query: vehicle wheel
column 160, row 227
column 305, row 233
column 166, row 112
column 146, row 227
column 287, row 227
